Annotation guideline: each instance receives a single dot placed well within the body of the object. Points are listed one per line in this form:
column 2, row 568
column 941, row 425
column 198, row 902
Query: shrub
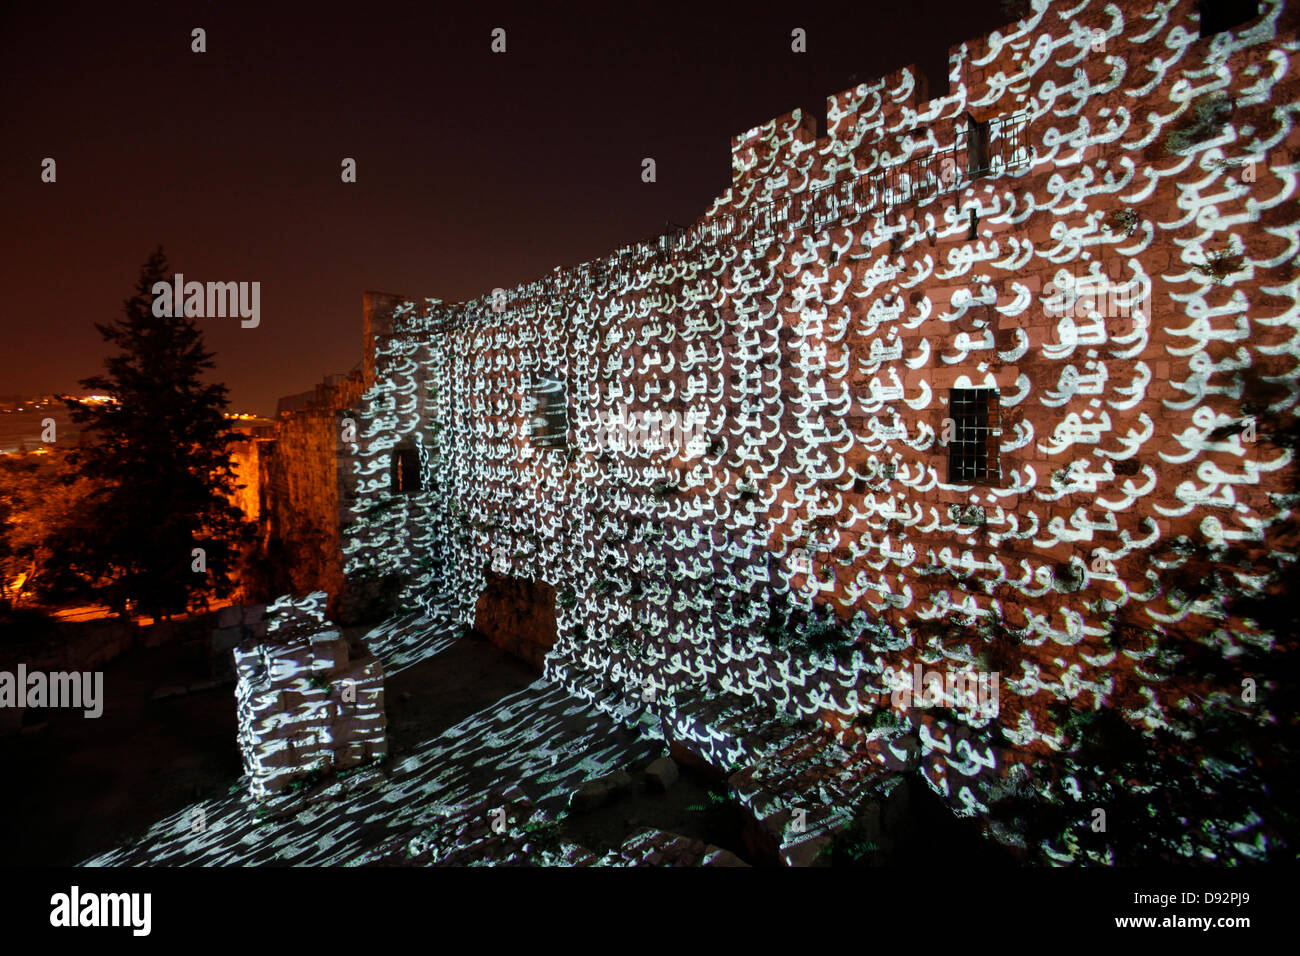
column 1220, row 264
column 970, row 515
column 1202, row 121
column 1123, row 221
column 663, row 489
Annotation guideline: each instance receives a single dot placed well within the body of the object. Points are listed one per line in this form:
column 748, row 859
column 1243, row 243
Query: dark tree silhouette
column 161, row 451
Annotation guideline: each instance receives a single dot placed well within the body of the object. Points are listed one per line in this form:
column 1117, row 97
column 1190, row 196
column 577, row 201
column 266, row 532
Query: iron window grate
column 548, row 411
column 977, row 425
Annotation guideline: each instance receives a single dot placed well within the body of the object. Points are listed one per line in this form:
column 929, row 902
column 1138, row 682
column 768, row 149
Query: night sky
column 475, row 170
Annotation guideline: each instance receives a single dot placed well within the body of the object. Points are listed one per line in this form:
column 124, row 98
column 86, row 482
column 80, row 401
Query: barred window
column 547, row 407
column 974, row 438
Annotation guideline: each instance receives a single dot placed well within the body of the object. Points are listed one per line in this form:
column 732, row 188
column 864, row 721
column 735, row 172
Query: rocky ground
column 488, row 765
column 464, row 720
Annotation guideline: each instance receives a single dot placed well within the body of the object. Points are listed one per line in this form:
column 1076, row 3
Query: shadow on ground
column 79, row 786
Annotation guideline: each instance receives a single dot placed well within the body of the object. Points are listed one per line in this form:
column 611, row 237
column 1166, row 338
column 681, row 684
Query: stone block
column 226, row 639
column 600, row 791
column 349, row 754
column 662, row 774
column 155, row 635
column 810, row 852
column 287, row 661
column 716, row 856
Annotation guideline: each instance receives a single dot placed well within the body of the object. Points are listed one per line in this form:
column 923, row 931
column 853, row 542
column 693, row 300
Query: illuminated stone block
column 304, row 707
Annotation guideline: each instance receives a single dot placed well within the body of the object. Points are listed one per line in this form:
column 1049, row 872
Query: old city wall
column 812, row 323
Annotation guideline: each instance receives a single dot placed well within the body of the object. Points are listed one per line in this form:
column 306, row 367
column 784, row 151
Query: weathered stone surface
column 649, row 846
column 304, row 708
column 809, row 852
column 662, row 774
column 598, row 792
column 225, row 640
column 517, row 616
column 720, row 857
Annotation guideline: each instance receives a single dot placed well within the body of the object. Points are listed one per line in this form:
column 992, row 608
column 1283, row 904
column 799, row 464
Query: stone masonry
column 1095, row 224
column 305, row 706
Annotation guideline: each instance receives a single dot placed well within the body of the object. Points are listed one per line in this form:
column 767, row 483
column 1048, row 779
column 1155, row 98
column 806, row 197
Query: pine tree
column 161, row 450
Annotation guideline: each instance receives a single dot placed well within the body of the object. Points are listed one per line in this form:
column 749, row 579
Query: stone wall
column 517, row 616
column 300, row 496
column 307, row 705
column 75, row 646
column 758, row 455
column 90, row 645
column 245, row 454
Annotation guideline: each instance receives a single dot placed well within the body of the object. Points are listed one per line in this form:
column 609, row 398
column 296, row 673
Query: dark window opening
column 1220, row 15
column 548, row 412
column 978, row 159
column 973, row 448
column 933, row 79
column 973, row 231
column 405, row 474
